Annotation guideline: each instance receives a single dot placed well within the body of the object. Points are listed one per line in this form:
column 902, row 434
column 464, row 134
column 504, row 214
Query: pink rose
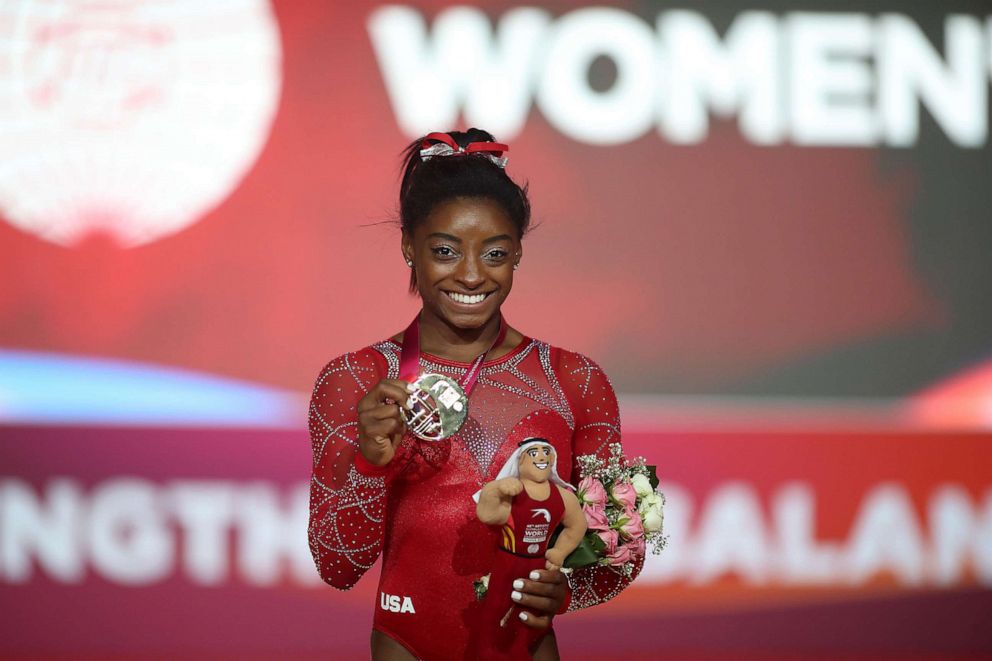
column 596, row 518
column 637, row 547
column 624, row 494
column 610, row 538
column 620, row 556
column 631, row 526
column 591, row 492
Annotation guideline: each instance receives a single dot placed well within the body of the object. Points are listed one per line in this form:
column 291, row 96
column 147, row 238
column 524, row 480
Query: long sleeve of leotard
column 597, row 425
column 347, row 494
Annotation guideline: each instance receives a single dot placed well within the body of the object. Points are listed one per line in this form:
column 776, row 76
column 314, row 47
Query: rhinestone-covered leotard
column 418, row 511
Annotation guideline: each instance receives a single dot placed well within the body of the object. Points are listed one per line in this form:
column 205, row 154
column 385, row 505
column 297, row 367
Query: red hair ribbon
column 442, row 144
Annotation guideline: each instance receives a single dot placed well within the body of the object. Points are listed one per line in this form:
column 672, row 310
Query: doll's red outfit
column 523, row 541
column 418, row 511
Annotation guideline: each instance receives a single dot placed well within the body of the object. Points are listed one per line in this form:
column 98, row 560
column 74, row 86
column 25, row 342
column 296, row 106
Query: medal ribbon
column 410, row 355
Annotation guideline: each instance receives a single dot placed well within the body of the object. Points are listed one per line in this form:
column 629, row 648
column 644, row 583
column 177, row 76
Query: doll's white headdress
column 512, row 466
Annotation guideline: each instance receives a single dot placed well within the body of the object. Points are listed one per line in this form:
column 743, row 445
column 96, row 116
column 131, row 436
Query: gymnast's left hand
column 541, row 596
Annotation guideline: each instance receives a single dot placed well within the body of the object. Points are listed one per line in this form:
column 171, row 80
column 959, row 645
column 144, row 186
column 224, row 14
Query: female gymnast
column 378, row 489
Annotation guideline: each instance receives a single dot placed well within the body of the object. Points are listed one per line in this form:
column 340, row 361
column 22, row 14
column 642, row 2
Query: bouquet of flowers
column 623, row 508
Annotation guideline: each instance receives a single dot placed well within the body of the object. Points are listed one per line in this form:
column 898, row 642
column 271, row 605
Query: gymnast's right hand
column 380, row 424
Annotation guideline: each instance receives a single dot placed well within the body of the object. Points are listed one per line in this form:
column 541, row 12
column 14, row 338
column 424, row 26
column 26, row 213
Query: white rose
column 649, row 501
column 642, row 485
column 650, row 511
column 652, row 520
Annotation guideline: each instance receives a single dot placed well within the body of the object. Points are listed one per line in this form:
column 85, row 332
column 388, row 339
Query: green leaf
column 480, row 589
column 588, row 552
column 653, row 476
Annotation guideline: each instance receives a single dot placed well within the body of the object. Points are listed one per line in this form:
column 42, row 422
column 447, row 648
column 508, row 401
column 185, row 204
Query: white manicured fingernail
column 411, row 388
column 519, row 584
column 409, row 402
column 535, row 576
column 523, row 616
column 516, row 596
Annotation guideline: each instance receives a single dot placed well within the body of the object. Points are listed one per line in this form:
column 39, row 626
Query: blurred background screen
column 769, row 222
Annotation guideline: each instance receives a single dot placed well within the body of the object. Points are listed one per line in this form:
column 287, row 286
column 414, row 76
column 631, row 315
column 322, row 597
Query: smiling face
column 536, row 463
column 464, row 253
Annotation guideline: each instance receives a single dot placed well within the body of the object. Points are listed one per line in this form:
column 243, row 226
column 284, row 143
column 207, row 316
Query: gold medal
column 440, row 407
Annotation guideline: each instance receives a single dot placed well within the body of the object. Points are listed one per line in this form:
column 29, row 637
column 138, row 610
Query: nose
column 470, row 273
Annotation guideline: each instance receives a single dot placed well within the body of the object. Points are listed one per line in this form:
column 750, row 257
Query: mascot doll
column 527, row 500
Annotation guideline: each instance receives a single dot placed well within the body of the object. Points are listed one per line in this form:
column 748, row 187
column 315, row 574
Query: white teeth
column 469, row 300
column 541, row 466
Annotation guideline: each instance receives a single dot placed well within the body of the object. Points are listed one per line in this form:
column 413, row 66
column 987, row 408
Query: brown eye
column 443, row 252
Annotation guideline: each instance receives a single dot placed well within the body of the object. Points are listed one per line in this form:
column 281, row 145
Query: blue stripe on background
column 51, row 388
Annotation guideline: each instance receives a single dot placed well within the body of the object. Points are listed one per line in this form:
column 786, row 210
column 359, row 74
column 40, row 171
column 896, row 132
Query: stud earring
column 409, row 263
column 516, row 266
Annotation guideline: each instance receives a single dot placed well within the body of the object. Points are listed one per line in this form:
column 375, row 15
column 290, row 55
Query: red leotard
column 418, row 510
